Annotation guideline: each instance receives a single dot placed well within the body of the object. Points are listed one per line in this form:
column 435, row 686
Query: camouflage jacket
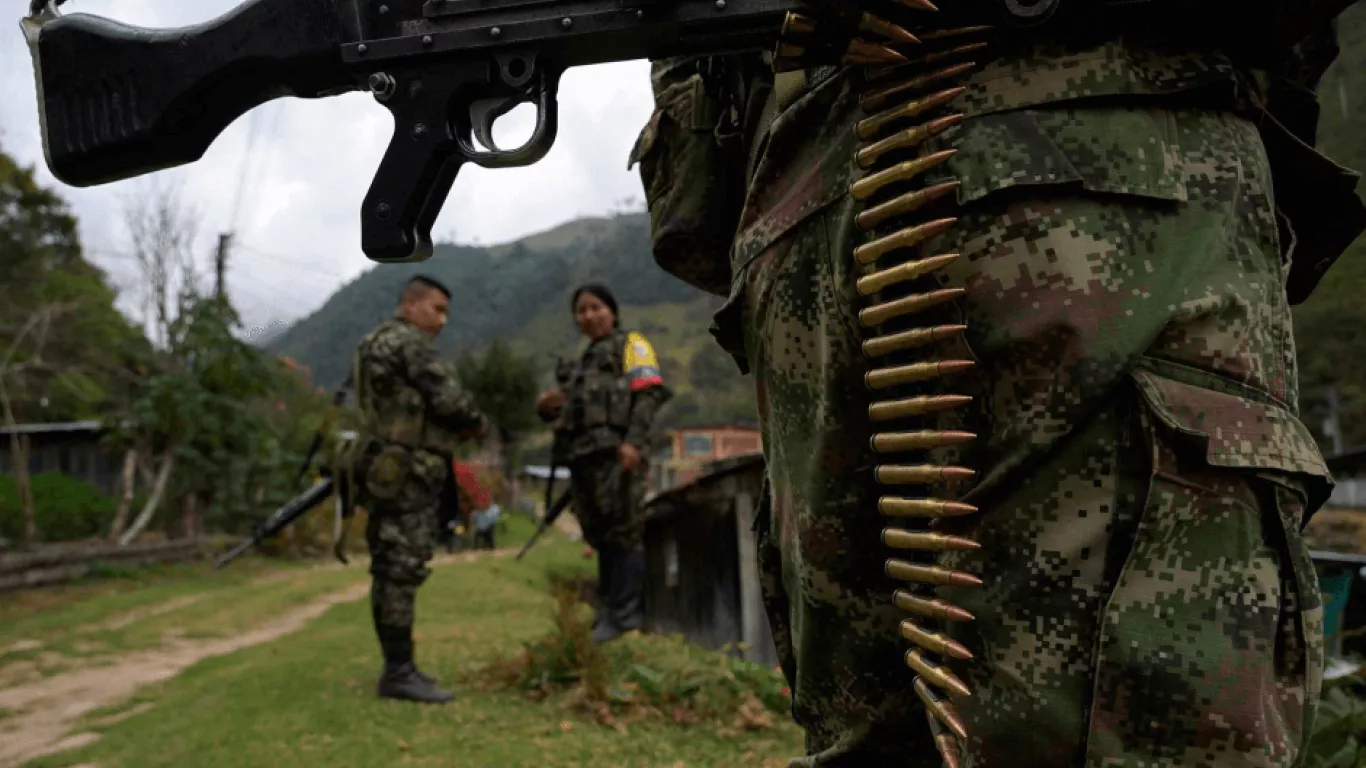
column 406, row 395
column 780, row 189
column 615, row 392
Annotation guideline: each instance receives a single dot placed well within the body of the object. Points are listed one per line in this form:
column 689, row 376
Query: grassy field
column 308, row 698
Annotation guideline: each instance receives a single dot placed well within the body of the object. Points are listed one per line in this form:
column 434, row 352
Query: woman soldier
column 604, row 420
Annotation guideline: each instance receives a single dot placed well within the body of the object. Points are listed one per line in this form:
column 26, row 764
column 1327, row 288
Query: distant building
column 702, row 572
column 71, row 448
column 685, row 452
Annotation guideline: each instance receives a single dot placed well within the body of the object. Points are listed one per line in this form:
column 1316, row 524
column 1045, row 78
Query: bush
column 650, row 678
column 64, row 508
column 1339, row 739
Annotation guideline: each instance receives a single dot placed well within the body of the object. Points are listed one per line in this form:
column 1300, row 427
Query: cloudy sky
column 303, row 167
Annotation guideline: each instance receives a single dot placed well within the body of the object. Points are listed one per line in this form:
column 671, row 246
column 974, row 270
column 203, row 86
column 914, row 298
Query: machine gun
column 118, row 101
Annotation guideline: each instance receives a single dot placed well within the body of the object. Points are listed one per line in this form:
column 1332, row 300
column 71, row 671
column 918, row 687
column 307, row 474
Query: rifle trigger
column 485, row 112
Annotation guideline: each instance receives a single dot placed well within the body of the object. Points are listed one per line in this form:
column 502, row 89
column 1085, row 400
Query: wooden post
column 752, row 616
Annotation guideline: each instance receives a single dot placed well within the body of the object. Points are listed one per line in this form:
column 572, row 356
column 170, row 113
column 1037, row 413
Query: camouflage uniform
column 614, row 394
column 1143, row 477
column 414, row 412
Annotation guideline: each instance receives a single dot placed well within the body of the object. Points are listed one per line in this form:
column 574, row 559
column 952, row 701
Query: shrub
column 64, row 508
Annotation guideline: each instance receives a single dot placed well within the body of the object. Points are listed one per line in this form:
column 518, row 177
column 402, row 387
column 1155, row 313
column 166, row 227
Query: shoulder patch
column 640, row 363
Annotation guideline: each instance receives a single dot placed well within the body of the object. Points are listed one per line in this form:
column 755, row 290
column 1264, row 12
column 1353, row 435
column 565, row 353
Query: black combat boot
column 403, row 681
column 629, row 602
column 621, row 612
column 603, row 610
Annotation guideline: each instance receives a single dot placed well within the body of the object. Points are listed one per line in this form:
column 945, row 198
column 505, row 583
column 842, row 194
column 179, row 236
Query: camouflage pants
column 401, row 533
column 609, row 514
column 1142, row 475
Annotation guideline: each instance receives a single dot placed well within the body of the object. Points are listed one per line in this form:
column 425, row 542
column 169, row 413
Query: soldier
column 1054, row 257
column 604, row 419
column 414, row 412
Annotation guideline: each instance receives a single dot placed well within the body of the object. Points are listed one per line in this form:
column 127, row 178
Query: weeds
column 1339, row 739
column 646, row 678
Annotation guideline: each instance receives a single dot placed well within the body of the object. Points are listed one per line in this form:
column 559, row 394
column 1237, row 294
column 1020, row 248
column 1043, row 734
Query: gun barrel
column 117, row 101
column 290, row 511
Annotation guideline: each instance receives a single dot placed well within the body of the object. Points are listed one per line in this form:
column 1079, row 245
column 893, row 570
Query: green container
column 1336, row 585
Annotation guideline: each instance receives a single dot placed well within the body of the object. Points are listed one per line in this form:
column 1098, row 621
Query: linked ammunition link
column 910, row 79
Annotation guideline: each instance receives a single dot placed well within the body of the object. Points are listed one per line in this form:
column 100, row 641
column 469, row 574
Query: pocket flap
column 1240, row 431
column 1115, row 150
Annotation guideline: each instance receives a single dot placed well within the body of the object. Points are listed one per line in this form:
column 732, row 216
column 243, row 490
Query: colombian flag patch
column 641, row 364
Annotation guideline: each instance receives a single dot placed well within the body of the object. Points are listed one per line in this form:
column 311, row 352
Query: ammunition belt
column 904, row 97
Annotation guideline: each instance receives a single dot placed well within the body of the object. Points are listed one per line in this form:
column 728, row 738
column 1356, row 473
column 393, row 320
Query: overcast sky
column 304, row 166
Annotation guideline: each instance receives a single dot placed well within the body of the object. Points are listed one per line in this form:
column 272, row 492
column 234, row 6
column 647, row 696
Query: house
column 684, row 452
column 701, row 567
column 70, row 448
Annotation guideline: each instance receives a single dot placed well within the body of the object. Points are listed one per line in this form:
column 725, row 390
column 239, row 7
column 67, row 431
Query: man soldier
column 1034, row 281
column 413, row 413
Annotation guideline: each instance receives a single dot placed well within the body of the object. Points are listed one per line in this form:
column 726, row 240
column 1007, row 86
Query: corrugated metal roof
column 53, row 426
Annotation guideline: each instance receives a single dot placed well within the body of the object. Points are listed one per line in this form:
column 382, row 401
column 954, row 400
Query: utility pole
column 1334, row 424
column 221, row 262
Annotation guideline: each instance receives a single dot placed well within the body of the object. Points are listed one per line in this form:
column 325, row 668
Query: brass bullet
column 903, row 205
column 922, row 474
column 883, row 378
column 944, row 743
column 933, row 642
column 869, row 127
column 930, row 574
column 883, row 28
column 905, row 170
column 886, row 410
column 894, row 506
column 923, row 440
column 918, row 5
column 874, row 100
column 907, row 270
column 930, row 608
column 797, row 25
column 911, row 137
column 924, row 541
column 942, row 708
column 903, row 238
column 864, row 52
column 935, row 674
column 940, row 34
column 877, row 314
column 891, row 70
column 916, row 337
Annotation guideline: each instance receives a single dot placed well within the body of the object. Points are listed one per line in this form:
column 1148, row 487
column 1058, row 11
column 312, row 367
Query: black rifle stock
column 118, row 101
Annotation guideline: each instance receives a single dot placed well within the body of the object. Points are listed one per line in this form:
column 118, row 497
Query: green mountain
column 520, row 291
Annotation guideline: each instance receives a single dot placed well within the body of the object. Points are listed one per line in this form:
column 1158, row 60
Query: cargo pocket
column 691, row 179
column 1212, row 637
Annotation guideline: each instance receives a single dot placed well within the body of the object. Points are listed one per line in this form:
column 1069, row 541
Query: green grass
column 308, row 699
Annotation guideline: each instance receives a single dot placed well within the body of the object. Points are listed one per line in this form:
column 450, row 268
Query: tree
column 62, row 342
column 503, row 385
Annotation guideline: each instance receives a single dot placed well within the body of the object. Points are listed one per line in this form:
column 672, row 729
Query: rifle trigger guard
column 483, row 113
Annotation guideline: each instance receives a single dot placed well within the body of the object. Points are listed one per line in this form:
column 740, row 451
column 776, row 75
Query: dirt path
column 45, row 710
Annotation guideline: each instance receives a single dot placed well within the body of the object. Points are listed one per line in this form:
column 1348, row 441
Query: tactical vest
column 400, row 418
column 598, row 411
